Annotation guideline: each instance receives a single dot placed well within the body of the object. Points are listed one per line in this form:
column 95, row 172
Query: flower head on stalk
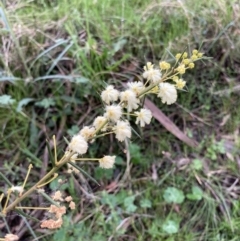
column 112, row 121
column 113, row 112
column 78, row 144
column 11, row 237
column 136, row 87
column 167, row 93
column 144, row 116
column 99, row 122
column 152, row 74
column 122, row 130
column 107, row 162
column 129, row 97
column 87, row 132
column 109, row 94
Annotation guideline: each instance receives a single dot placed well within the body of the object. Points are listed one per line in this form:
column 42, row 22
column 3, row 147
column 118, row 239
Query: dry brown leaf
column 225, row 119
column 168, row 124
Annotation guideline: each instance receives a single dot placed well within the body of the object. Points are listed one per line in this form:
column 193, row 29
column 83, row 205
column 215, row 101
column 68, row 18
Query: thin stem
column 129, row 114
column 25, row 181
column 43, row 180
column 146, row 90
column 87, row 159
column 48, row 198
column 1, row 197
column 104, row 134
column 100, row 127
column 55, row 150
column 37, row 208
column 6, row 203
column 45, row 183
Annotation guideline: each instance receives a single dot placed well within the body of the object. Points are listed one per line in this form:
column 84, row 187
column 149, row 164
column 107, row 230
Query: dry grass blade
column 168, row 124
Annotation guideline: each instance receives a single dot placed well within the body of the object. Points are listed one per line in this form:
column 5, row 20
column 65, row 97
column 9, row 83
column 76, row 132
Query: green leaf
column 6, row 179
column 37, row 161
column 23, row 102
column 170, row 226
column 136, row 156
column 73, row 130
column 61, row 234
column 119, row 45
column 154, row 229
column 55, row 77
column 20, row 212
column 196, row 194
column 34, row 131
column 173, row 195
column 66, row 140
column 145, row 203
column 197, row 164
column 81, row 80
column 51, row 157
column 100, row 173
column 119, row 161
column 85, row 173
column 6, row 100
column 129, row 205
column 45, row 103
column 9, row 79
column 109, row 199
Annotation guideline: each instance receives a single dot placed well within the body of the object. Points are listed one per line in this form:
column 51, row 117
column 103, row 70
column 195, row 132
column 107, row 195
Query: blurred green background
column 55, row 59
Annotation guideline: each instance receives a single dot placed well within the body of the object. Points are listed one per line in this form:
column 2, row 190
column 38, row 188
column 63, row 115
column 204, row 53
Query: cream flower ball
column 109, row 94
column 87, row 132
column 130, row 98
column 144, row 116
column 113, row 112
column 151, row 74
column 78, row 144
column 122, row 130
column 107, row 162
column 168, row 93
column 99, row 121
column 136, row 86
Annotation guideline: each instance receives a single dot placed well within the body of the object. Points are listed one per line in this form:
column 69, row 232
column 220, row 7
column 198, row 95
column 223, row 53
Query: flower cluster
column 57, row 211
column 163, row 81
column 11, row 237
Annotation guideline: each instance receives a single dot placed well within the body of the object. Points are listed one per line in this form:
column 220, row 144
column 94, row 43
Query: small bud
column 178, row 56
column 164, row 65
column 194, row 57
column 195, row 52
column 185, row 54
column 191, row 65
column 72, row 205
column 181, row 69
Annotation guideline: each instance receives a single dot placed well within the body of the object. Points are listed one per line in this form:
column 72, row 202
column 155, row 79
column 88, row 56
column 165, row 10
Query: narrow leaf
column 50, row 153
column 5, row 179
column 85, row 173
column 21, row 213
column 23, row 102
column 66, row 140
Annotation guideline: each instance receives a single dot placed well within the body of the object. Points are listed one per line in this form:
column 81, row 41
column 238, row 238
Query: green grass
column 62, row 54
